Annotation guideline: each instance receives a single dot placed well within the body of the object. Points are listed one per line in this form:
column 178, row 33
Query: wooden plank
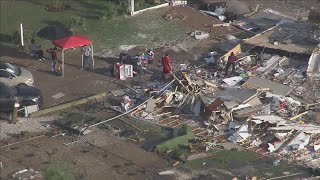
column 171, row 117
column 173, row 122
column 196, row 131
column 167, row 121
column 179, row 125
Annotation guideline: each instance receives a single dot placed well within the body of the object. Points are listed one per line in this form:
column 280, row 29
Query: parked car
column 27, row 96
column 15, row 76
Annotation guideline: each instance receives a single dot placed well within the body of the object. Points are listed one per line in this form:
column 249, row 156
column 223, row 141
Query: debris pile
column 268, row 105
column 26, row 174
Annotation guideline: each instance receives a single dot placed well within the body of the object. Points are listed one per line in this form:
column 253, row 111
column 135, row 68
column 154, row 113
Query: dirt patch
column 193, row 19
column 54, row 32
column 111, row 157
column 174, row 17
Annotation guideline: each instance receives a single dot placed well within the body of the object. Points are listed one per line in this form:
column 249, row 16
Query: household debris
column 168, row 172
column 269, row 105
column 26, row 174
column 199, row 35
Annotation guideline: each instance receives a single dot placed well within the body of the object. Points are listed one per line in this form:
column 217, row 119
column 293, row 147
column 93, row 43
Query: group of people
column 37, row 52
column 139, row 60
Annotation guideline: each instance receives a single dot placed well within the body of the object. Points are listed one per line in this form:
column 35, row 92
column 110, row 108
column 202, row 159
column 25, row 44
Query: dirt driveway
column 76, row 83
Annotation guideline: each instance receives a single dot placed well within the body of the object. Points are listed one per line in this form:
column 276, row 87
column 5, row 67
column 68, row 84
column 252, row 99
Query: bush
column 24, row 134
column 142, row 4
column 27, row 36
column 56, row 5
column 112, row 9
column 16, row 39
column 57, row 171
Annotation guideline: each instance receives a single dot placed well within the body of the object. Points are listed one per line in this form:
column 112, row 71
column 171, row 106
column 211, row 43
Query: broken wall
column 313, row 70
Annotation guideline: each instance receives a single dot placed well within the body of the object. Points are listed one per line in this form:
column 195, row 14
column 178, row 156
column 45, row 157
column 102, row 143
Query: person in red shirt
column 166, row 63
column 232, row 59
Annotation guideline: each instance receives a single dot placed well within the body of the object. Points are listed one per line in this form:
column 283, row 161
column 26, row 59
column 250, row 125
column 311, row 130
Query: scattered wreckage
column 269, row 106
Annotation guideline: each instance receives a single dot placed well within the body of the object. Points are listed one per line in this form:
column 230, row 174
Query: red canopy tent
column 72, row 42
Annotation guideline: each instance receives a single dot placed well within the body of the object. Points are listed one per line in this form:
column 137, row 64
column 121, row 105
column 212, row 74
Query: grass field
column 92, row 19
column 236, row 160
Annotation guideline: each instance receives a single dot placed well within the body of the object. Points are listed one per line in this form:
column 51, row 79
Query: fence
column 175, row 3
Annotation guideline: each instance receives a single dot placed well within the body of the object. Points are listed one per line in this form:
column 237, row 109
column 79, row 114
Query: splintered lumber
column 299, row 115
column 43, row 135
column 166, row 120
column 179, row 124
column 281, row 177
column 176, row 163
column 221, row 25
column 196, row 131
column 173, row 123
column 253, row 12
column 217, row 25
column 210, row 84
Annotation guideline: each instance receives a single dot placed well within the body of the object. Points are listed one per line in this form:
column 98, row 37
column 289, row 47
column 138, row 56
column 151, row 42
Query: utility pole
column 131, row 7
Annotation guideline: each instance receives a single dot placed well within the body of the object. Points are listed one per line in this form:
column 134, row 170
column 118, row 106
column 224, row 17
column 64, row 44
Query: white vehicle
column 15, row 76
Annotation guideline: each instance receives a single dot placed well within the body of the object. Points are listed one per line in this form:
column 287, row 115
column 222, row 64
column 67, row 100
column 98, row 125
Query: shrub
column 112, row 9
column 56, row 5
column 24, row 134
column 27, row 36
column 142, row 4
column 16, row 38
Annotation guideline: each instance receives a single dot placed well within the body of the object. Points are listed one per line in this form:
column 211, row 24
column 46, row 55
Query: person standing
column 150, row 54
column 232, row 59
column 166, row 63
column 53, row 53
column 86, row 57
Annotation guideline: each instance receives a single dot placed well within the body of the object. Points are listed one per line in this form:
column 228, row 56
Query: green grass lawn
column 231, row 160
column 108, row 33
column 223, row 158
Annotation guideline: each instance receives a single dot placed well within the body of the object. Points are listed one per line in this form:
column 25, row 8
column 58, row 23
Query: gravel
column 36, row 124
